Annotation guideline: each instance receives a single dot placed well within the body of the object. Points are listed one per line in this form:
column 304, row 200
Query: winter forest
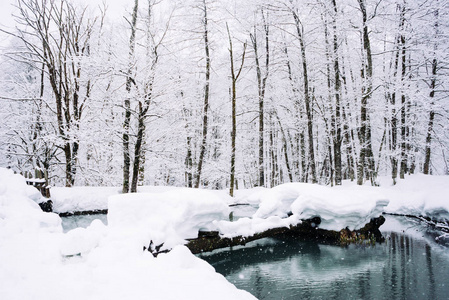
column 226, row 95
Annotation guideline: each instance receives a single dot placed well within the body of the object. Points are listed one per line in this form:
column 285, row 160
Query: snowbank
column 419, row 195
column 89, row 198
column 344, row 206
column 169, row 217
column 81, row 198
column 338, row 207
column 174, row 216
column 251, row 226
column 38, row 261
column 19, row 211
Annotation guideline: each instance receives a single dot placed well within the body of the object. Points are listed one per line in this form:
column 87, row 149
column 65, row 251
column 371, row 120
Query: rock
column 46, row 206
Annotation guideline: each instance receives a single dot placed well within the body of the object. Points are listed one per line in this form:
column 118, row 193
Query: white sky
column 116, row 9
column 6, row 9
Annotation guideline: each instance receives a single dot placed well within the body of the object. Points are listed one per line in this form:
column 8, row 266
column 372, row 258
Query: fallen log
column 306, row 230
column 83, row 213
column 440, row 224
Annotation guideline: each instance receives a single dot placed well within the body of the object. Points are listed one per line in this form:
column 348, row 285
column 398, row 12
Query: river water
column 72, row 222
column 409, row 265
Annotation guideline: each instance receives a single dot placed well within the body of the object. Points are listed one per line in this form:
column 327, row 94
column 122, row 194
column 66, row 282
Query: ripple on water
column 406, row 266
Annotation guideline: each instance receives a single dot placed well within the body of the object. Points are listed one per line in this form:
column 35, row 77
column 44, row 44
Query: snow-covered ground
column 39, row 261
column 419, row 195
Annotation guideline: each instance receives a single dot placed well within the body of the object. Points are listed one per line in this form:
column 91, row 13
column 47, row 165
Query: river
column 410, row 264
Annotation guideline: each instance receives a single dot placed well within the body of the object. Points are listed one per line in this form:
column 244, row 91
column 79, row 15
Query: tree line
column 219, row 94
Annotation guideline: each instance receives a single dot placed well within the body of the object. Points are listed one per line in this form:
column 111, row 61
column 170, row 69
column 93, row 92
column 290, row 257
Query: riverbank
column 417, row 195
column 39, row 261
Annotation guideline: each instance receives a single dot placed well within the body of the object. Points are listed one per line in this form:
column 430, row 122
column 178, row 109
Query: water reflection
column 72, row 222
column 409, row 265
column 404, row 267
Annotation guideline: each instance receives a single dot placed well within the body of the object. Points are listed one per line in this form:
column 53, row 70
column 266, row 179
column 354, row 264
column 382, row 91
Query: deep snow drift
column 39, row 261
column 169, row 217
column 419, row 195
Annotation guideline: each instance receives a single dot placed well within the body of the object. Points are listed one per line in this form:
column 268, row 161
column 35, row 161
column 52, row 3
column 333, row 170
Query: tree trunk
column 306, row 230
column 403, row 166
column 189, row 163
column 394, row 123
column 366, row 159
column 261, row 86
column 138, row 148
column 206, row 98
column 234, row 78
column 337, row 139
column 300, row 156
column 307, row 99
column 69, row 180
column 426, row 167
column 428, row 149
column 285, row 149
column 127, row 103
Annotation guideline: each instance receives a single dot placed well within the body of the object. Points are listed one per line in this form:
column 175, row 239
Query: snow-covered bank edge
column 38, row 261
column 108, row 261
column 348, row 206
column 418, row 195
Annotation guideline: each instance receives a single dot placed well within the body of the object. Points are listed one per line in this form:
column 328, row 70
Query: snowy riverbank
column 39, row 261
column 418, row 195
column 36, row 259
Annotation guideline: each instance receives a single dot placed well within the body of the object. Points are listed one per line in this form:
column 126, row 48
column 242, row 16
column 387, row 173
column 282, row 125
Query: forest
column 225, row 95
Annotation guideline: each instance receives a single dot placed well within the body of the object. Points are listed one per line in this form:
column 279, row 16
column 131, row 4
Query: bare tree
column 307, row 98
column 234, row 77
column 261, row 87
column 127, row 102
column 152, row 56
column 366, row 159
column 206, row 96
column 58, row 35
column 433, row 80
column 337, row 137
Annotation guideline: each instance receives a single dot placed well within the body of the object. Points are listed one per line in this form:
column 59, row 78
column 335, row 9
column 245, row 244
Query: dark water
column 407, row 266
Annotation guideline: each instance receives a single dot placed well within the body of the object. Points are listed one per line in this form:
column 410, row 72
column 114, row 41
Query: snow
column 419, row 195
column 38, row 261
column 250, row 226
column 169, row 217
column 338, row 207
column 81, row 198
column 19, row 211
column 88, row 198
column 349, row 205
